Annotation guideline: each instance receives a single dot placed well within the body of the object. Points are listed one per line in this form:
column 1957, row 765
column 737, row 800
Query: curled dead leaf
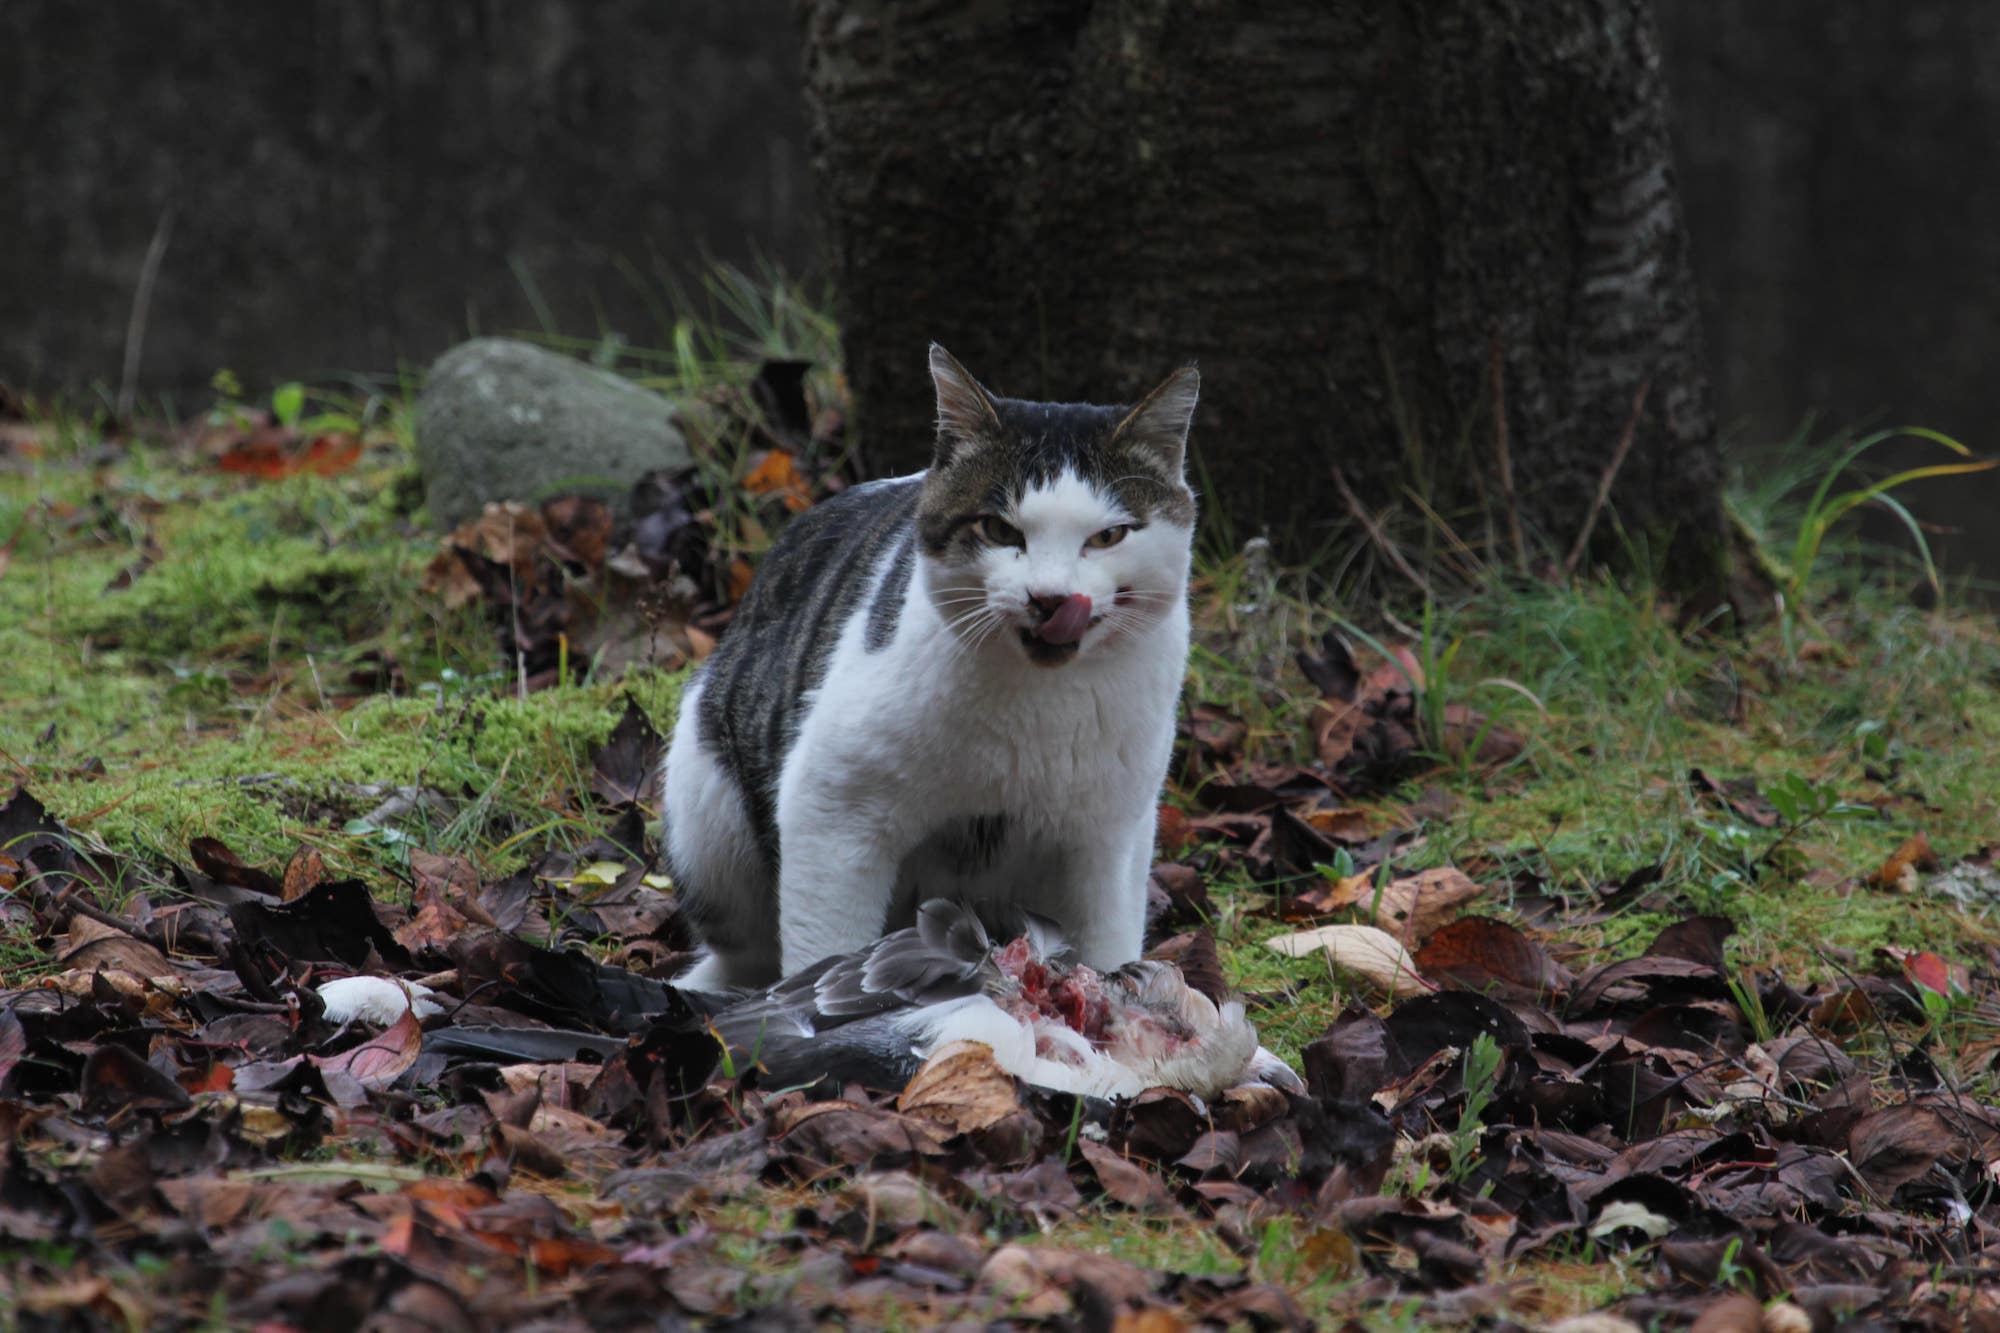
column 1899, row 872
column 961, row 1089
column 1416, row 906
column 1373, row 955
column 380, row 1062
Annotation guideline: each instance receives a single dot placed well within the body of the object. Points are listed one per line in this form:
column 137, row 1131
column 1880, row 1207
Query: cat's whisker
column 969, row 627
column 967, row 617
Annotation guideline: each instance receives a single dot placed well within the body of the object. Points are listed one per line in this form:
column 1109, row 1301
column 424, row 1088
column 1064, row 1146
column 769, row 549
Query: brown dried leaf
column 1414, row 907
column 579, row 530
column 305, row 872
column 219, row 863
column 381, row 1061
column 626, row 768
column 1126, row 1181
column 1734, row 1313
column 1480, row 953
column 114, row 1079
column 961, row 1089
column 1490, row 745
column 1904, row 863
column 1898, row 1144
column 114, row 952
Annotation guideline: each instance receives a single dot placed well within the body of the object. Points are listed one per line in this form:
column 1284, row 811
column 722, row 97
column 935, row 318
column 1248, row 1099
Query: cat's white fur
column 951, row 721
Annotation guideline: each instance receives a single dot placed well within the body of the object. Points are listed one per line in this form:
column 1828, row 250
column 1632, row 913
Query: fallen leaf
column 1483, row 954
column 379, row 1062
column 625, row 770
column 961, row 1089
column 1734, row 1313
column 1414, row 907
column 778, row 473
column 305, row 872
column 119, row 953
column 1900, row 870
column 1126, row 1181
column 114, row 1080
column 1898, row 1144
column 1363, row 951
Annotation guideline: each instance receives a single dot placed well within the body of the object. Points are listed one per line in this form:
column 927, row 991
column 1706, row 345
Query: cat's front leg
column 1102, row 903
column 834, row 887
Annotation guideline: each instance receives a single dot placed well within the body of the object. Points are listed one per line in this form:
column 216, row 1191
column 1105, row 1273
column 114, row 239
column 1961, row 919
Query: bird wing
column 805, row 1025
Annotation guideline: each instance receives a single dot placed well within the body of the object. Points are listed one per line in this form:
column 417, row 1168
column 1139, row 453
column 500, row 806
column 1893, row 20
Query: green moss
column 212, row 696
column 500, row 766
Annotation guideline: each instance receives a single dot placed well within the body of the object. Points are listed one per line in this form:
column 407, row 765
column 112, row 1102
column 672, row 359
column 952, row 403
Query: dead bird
column 873, row 1016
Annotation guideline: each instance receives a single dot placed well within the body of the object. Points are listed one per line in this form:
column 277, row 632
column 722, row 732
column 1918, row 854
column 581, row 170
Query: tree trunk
column 1337, row 209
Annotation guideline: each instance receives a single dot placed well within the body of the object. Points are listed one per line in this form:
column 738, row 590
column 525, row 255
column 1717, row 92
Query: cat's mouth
column 1043, row 653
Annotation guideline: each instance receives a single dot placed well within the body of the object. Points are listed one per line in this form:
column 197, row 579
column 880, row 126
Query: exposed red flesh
column 1074, row 997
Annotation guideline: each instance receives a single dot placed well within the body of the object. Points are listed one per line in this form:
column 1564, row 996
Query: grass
column 224, row 693
column 1906, row 717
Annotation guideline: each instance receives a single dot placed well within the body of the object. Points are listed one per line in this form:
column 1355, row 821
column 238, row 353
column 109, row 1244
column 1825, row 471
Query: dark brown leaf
column 625, row 770
column 1898, row 1144
column 115, row 1080
column 224, row 866
column 1126, row 1181
column 1487, row 955
column 1697, row 939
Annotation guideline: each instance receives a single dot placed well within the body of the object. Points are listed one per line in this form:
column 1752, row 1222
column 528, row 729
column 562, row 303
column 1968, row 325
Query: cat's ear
column 965, row 412
column 1158, row 427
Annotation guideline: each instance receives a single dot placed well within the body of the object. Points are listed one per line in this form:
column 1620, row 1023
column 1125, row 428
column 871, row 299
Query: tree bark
column 1337, row 209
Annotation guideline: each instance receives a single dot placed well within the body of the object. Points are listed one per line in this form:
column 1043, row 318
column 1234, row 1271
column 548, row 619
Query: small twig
column 1376, row 535
column 1457, row 543
column 72, row 899
column 1503, row 457
column 1610, row 475
column 142, row 306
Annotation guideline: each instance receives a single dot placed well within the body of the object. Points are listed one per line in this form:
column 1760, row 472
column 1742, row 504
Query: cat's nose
column 1047, row 604
column 1062, row 617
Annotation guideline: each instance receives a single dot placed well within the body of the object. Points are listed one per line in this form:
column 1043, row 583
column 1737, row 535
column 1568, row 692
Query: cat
column 960, row 683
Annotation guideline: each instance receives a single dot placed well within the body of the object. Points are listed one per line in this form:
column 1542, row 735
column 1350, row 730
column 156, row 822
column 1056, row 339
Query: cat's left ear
column 965, row 413
column 1158, row 427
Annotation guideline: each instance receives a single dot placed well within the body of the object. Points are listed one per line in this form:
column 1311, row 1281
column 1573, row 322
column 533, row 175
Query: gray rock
column 500, row 419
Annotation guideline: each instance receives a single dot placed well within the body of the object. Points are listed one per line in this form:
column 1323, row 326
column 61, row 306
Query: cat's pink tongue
column 1069, row 622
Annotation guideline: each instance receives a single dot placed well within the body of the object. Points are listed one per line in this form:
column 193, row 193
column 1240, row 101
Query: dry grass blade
column 1604, row 482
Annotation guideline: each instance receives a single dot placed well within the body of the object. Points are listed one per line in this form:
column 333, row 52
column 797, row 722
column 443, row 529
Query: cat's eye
column 999, row 532
column 1108, row 537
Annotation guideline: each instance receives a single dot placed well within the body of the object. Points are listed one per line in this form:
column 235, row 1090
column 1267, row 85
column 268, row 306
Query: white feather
column 377, row 1000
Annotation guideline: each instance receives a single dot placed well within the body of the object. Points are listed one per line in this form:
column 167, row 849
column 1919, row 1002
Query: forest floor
column 1656, row 970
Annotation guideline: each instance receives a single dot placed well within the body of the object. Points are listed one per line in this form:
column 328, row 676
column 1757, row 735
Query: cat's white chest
column 1050, row 748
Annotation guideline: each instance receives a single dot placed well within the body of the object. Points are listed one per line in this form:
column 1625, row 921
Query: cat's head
column 1056, row 530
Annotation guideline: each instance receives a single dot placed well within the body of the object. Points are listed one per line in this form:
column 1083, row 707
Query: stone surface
column 500, row 419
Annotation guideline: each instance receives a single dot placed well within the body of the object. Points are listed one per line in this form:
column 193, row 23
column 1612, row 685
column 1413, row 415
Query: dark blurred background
column 355, row 186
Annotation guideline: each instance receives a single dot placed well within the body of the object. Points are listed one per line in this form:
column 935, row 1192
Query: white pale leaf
column 1374, row 955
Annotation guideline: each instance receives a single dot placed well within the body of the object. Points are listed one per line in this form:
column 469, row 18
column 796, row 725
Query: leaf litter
column 521, row 1132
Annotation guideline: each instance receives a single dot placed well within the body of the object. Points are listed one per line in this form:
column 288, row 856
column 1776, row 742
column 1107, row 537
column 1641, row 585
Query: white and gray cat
column 956, row 684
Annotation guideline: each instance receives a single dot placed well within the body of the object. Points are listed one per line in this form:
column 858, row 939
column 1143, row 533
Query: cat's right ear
column 965, row 412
